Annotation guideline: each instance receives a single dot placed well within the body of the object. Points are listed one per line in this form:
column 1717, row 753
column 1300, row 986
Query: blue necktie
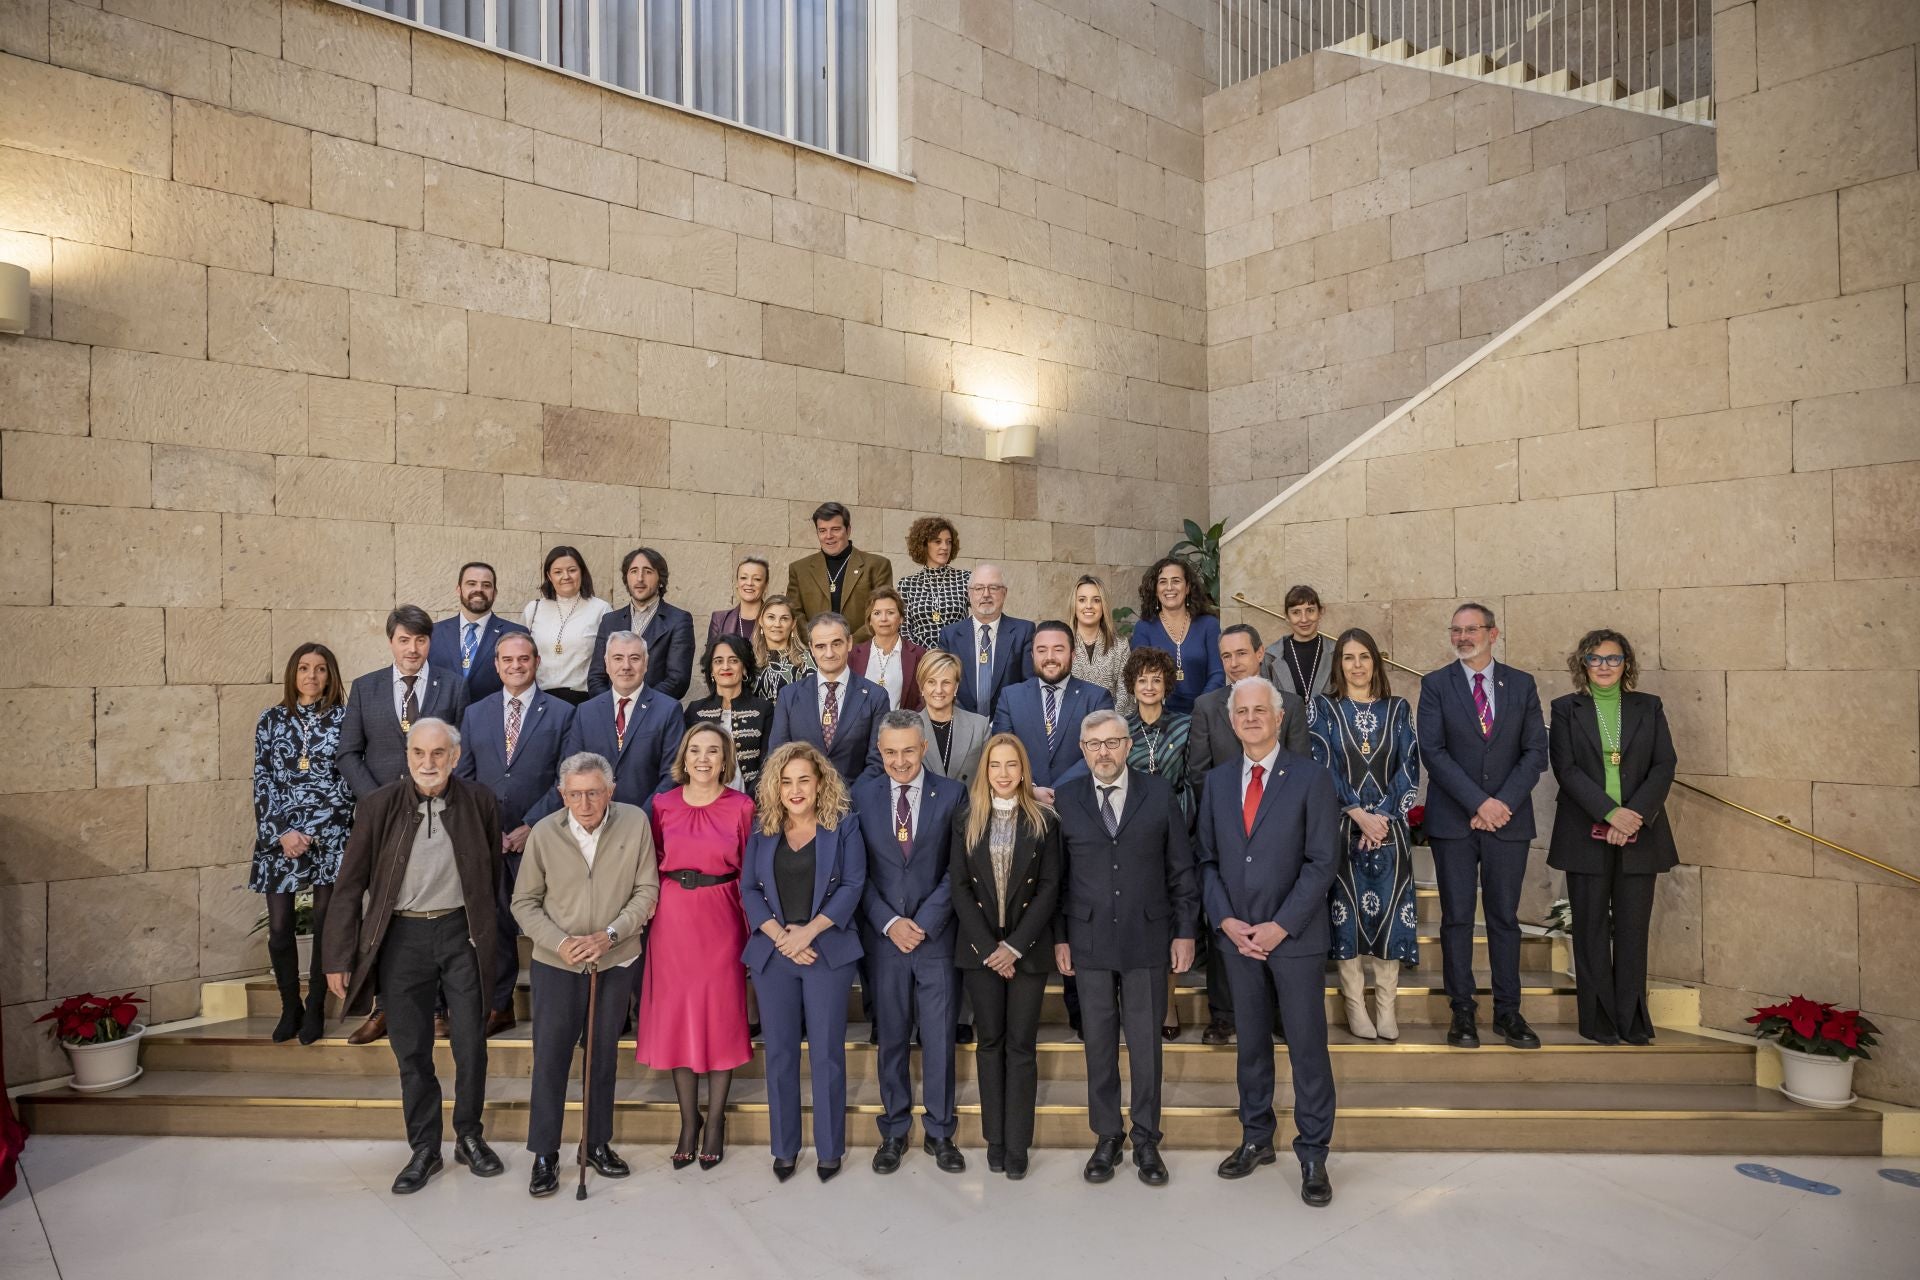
column 1052, row 715
column 468, row 645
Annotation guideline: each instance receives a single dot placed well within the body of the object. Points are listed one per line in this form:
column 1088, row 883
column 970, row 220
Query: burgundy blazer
column 910, row 654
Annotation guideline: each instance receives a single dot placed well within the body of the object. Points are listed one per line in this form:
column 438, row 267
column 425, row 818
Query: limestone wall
column 324, row 307
column 1716, row 448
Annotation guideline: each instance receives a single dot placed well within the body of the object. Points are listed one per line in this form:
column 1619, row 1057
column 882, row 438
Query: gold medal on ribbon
column 936, row 617
column 303, row 764
column 904, row 834
column 1613, row 758
column 406, row 726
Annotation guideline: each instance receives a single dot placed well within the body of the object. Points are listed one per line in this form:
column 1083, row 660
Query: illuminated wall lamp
column 16, row 300
column 1011, row 437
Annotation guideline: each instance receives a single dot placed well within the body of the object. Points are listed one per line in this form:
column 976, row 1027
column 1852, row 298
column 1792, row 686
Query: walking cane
column 586, row 1076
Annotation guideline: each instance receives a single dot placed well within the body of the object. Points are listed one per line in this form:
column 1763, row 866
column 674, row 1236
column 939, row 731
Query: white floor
column 189, row 1207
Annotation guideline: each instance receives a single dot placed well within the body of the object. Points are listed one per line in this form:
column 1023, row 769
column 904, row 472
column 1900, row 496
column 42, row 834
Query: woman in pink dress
column 693, row 1000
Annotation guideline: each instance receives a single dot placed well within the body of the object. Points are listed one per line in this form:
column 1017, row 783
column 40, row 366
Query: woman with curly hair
column 1177, row 616
column 937, row 594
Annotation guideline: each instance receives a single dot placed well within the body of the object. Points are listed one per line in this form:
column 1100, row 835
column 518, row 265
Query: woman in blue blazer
column 1177, row 616
column 800, row 884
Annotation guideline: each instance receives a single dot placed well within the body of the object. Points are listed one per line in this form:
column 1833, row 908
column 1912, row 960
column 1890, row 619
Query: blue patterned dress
column 1371, row 903
column 315, row 801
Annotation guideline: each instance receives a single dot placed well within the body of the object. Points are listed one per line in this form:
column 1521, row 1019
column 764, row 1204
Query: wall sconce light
column 16, row 298
column 1011, row 435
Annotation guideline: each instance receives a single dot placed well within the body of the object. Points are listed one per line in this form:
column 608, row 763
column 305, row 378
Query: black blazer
column 1125, row 897
column 1647, row 765
column 752, row 721
column 669, row 640
column 1033, row 891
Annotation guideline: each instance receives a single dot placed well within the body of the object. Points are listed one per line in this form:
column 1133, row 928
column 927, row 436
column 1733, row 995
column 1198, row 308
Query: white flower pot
column 303, row 944
column 1815, row 1080
column 100, row 1067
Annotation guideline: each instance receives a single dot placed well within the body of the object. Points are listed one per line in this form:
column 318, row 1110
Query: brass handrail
column 1240, row 597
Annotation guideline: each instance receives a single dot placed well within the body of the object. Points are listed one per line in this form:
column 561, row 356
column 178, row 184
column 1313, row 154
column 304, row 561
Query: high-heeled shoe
column 1170, row 1032
column 708, row 1159
column 681, row 1159
column 828, row 1170
column 783, row 1169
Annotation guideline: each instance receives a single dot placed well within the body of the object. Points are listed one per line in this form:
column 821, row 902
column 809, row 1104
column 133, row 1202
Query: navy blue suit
column 482, row 677
column 1022, row 712
column 1464, row 768
column 1281, row 872
column 920, row 985
column 856, row 736
column 669, row 640
column 522, row 789
column 1012, row 659
column 643, row 760
column 810, row 999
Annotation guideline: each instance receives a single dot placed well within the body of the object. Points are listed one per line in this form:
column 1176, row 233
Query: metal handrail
column 1240, row 597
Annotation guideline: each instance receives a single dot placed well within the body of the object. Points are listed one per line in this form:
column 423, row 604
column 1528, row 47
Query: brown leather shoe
column 374, row 1028
column 441, row 1030
column 500, row 1020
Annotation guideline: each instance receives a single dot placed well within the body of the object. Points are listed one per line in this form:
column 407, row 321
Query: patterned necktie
column 1107, row 815
column 1051, row 714
column 468, row 644
column 513, row 726
column 903, row 824
column 620, row 723
column 1250, row 803
column 984, row 672
column 409, row 706
column 1480, row 704
column 830, row 714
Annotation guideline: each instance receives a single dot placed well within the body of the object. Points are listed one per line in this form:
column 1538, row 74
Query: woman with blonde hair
column 800, row 885
column 779, row 650
column 1099, row 653
column 955, row 736
column 1006, row 866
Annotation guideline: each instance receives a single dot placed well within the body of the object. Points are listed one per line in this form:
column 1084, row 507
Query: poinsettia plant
column 92, row 1019
column 1417, row 824
column 1810, row 1026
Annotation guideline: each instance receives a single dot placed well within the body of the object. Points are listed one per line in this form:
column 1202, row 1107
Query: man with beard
column 667, row 629
column 465, row 641
column 1043, row 712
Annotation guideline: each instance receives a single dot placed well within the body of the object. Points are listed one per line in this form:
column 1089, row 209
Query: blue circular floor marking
column 1767, row 1173
column 1905, row 1177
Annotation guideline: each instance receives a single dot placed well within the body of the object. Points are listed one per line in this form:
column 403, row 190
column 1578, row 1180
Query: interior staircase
column 1690, row 1091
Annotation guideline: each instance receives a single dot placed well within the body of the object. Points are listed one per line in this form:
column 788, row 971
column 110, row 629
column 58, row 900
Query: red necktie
column 620, row 723
column 1250, row 804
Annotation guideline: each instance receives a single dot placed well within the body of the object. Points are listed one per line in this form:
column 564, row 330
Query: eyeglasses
column 1466, row 631
column 987, row 588
column 1605, row 659
column 1104, row 744
column 581, row 797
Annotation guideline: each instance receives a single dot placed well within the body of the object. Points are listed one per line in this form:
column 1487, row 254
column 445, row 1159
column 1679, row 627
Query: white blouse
column 564, row 630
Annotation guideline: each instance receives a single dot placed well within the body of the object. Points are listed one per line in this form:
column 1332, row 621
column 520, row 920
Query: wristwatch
column 612, row 936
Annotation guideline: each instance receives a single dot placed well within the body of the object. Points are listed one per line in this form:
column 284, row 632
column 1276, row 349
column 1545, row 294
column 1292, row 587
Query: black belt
column 698, row 879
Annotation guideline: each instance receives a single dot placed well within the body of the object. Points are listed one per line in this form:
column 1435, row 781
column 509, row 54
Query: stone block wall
column 1369, row 226
column 1714, row 447
column 324, row 306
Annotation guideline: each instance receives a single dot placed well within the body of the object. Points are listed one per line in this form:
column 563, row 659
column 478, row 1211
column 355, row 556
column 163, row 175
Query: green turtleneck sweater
column 1606, row 709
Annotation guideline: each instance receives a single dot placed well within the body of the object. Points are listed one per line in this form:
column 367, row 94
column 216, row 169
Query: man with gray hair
column 633, row 725
column 589, row 882
column 413, row 909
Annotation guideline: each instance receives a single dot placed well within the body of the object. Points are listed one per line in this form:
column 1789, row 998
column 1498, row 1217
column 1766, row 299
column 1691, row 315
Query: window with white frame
column 820, row 72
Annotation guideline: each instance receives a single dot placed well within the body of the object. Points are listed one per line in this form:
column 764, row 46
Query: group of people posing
column 909, row 787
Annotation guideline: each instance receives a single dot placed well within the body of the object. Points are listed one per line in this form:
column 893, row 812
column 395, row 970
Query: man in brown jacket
column 589, row 882
column 839, row 577
column 424, row 853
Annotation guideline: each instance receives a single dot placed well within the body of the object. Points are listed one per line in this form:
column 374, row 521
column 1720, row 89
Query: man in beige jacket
column 589, row 881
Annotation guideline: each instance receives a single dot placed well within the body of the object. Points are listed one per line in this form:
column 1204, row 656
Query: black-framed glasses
column 1605, row 660
column 1104, row 744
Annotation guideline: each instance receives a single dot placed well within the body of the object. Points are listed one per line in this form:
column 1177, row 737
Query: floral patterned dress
column 314, row 800
column 1370, row 749
column 778, row 673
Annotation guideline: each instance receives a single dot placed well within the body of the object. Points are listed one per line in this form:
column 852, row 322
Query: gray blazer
column 1210, row 740
column 970, row 734
column 1273, row 665
column 373, row 750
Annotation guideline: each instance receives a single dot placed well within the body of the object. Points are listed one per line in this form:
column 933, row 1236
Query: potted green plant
column 101, row 1035
column 1818, row 1043
column 302, row 929
column 1201, row 549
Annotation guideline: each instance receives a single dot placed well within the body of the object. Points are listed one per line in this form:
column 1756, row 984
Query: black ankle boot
column 286, row 976
column 313, row 1022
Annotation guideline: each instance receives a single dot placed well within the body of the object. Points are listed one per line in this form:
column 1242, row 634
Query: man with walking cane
column 589, row 882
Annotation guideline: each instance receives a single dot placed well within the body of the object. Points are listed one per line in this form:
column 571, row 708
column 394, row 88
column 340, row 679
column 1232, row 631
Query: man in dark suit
column 382, row 707
column 839, row 577
column 465, row 641
column 667, row 629
column 992, row 647
column 906, row 926
column 831, row 707
column 1269, row 846
column 1484, row 744
column 512, row 748
column 637, row 727
column 1045, row 712
column 1210, row 744
column 1128, row 909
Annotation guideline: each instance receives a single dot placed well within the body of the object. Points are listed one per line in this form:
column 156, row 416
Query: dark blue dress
column 1197, row 658
column 315, row 800
column 1370, row 749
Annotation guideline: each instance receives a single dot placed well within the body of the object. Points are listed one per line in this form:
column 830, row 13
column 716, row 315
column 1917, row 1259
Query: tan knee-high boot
column 1386, row 994
column 1353, row 988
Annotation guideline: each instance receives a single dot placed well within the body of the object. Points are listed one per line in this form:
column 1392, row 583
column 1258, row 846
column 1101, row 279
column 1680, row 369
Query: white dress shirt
column 1119, row 786
column 420, row 683
column 1266, row 763
column 479, row 626
column 589, row 842
column 839, row 694
column 566, row 668
column 1493, row 711
column 887, row 671
column 913, row 807
column 525, row 699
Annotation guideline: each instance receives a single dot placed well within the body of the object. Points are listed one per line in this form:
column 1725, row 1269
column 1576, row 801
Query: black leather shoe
column 1640, row 1040
column 1461, row 1033
column 828, row 1171
column 1153, row 1170
column 887, row 1158
column 1315, row 1187
column 963, row 1033
column 1245, row 1159
column 783, row 1169
column 1106, row 1154
column 473, row 1152
column 1514, row 1029
column 996, row 1158
column 607, row 1162
column 546, row 1176
column 1016, row 1165
column 946, row 1157
column 1219, row 1031
column 424, row 1165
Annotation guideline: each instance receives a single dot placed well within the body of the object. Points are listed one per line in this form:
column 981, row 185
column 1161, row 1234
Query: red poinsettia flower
column 1805, row 1016
column 1416, row 815
column 1843, row 1026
